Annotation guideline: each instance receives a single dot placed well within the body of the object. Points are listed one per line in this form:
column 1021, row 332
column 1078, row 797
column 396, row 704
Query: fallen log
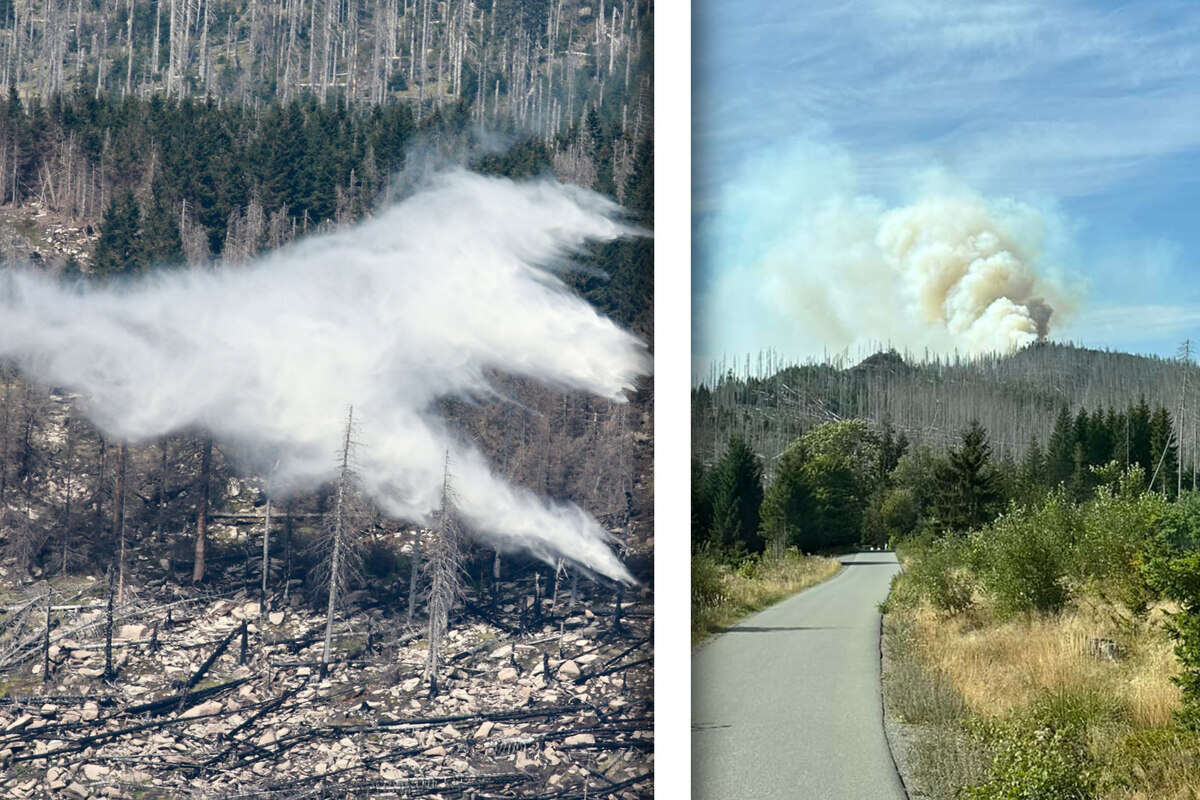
column 571, row 794
column 587, row 676
column 184, row 699
column 212, row 659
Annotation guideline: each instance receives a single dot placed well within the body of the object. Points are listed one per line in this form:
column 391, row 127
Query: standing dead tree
column 343, row 554
column 266, row 561
column 445, row 566
column 204, row 487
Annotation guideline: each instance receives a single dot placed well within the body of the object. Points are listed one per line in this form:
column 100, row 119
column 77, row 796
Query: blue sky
column 1084, row 117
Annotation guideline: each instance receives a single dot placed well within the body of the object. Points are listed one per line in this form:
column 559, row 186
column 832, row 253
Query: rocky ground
column 208, row 697
column 33, row 234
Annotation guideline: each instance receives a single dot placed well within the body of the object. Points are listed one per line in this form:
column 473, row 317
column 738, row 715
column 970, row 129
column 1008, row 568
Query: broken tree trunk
column 212, row 659
column 202, row 509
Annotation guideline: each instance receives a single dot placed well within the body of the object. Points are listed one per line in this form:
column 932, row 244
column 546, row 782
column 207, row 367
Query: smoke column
column 413, row 305
column 963, row 270
column 794, row 253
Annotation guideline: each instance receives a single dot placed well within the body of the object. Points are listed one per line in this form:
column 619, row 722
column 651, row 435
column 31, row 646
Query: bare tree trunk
column 129, row 43
column 4, row 423
column 157, row 36
column 46, row 644
column 160, row 506
column 414, row 573
column 198, row 566
column 118, row 522
column 98, row 498
column 445, row 572
column 108, row 626
column 266, row 561
column 339, row 525
column 70, row 473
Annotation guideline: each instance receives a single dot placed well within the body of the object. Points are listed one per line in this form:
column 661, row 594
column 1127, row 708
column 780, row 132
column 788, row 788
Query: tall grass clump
column 724, row 591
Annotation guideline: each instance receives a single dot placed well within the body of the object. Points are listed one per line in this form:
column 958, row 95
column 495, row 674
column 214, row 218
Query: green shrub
column 902, row 593
column 1022, row 558
column 1116, row 528
column 747, row 566
column 899, row 513
column 1034, row 763
column 940, row 574
column 707, row 587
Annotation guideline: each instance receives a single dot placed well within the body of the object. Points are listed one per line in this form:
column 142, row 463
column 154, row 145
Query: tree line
column 169, row 182
column 849, row 483
column 533, row 65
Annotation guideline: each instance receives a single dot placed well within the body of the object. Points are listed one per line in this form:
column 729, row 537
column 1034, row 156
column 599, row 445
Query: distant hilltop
column 1016, row 396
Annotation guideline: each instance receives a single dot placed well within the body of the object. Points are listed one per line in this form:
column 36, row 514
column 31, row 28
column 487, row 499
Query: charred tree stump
column 617, row 627
column 242, row 658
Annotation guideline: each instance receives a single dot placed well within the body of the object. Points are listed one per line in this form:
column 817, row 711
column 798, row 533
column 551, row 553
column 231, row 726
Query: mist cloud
column 412, row 305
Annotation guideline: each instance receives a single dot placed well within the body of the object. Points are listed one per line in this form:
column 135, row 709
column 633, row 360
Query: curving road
column 786, row 703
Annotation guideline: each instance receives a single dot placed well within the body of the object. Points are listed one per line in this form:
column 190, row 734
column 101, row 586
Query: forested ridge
column 828, row 455
column 1017, row 398
column 164, row 181
column 534, row 65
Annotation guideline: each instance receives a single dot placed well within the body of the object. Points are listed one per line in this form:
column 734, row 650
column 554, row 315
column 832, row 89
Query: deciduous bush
column 940, row 574
column 1034, row 763
column 707, row 589
column 1115, row 529
column 1022, row 558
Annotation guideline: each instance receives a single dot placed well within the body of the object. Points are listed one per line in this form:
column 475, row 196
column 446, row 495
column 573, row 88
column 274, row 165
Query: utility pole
column 1185, row 355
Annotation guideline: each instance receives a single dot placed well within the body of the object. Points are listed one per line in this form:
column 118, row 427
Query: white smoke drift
column 812, row 263
column 410, row 306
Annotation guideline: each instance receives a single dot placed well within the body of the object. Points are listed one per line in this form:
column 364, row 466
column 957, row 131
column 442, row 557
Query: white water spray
column 413, row 305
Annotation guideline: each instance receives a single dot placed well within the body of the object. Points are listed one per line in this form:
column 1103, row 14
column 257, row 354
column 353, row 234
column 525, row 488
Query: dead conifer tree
column 414, row 572
column 445, row 566
column 343, row 555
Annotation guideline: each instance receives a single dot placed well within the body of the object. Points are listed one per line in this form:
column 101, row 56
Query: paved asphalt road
column 786, row 703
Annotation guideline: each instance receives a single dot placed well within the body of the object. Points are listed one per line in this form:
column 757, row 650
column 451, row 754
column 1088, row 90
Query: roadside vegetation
column 1043, row 640
column 724, row 592
column 1052, row 653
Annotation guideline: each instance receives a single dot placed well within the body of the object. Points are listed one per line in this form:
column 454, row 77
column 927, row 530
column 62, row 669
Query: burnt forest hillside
column 166, row 625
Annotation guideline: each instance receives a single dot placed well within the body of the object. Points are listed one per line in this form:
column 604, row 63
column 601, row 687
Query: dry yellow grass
column 1002, row 667
column 736, row 593
column 999, row 668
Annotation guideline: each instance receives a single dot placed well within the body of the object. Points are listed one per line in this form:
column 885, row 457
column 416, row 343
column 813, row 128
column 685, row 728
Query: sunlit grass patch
column 722, row 594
